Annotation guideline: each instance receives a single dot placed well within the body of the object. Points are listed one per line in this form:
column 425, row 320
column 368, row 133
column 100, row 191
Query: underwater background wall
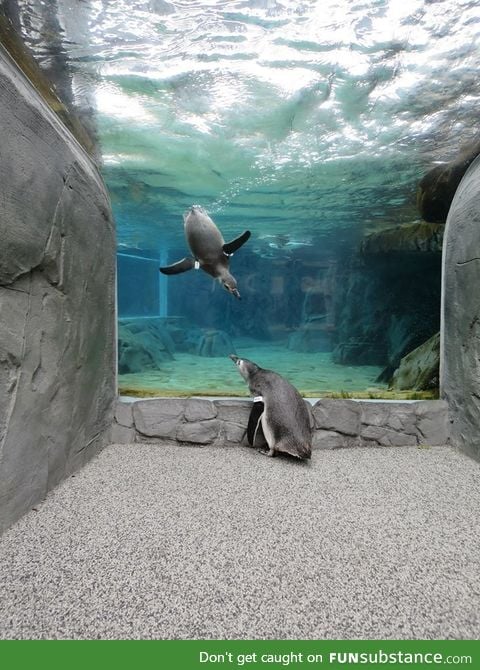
column 309, row 124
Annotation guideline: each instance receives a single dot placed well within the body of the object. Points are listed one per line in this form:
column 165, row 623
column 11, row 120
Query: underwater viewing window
column 138, row 287
column 297, row 301
column 309, row 124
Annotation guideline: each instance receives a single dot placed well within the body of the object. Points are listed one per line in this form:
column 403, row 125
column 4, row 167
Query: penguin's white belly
column 267, row 431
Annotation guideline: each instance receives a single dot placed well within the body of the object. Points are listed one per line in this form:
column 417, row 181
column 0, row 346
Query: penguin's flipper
column 230, row 247
column 255, row 433
column 185, row 264
column 254, row 421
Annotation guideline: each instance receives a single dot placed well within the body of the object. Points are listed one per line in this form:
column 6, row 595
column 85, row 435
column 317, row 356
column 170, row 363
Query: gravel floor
column 154, row 541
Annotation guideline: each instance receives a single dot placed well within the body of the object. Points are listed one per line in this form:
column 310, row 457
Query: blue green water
column 309, row 123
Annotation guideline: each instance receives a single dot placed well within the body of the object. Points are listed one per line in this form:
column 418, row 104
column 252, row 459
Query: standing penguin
column 209, row 249
column 285, row 420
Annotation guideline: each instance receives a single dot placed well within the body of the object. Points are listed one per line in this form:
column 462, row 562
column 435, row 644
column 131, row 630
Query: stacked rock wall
column 338, row 422
column 57, row 300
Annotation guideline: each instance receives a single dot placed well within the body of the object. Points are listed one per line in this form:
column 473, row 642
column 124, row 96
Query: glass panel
column 311, row 125
column 138, row 286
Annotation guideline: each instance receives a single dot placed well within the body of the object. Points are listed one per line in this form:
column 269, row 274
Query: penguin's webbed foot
column 267, row 452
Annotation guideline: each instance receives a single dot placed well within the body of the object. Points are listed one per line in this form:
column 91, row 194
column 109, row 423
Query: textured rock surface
column 201, row 432
column 159, row 418
column 143, row 345
column 215, row 343
column 311, row 337
column 460, row 357
column 338, row 422
column 234, row 416
column 413, row 237
column 341, row 416
column 437, row 188
column 419, row 370
column 386, row 309
column 56, row 300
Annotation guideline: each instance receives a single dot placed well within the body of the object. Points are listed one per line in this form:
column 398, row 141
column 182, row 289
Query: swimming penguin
column 209, row 249
column 285, row 421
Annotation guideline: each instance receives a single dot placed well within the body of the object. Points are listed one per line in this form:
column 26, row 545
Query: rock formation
column 57, row 299
column 419, row 370
column 390, row 298
column 438, row 186
column 460, row 355
column 215, row 343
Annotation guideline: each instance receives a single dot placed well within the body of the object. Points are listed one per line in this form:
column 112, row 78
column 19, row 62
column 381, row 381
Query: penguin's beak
column 228, row 287
column 233, row 357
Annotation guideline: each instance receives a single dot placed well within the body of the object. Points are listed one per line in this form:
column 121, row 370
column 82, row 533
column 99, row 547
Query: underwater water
column 284, row 321
column 309, row 124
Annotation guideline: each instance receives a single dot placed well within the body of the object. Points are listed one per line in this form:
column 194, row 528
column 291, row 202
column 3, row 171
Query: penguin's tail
column 298, row 450
column 304, row 451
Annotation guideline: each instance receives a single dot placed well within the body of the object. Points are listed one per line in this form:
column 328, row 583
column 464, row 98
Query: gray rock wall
column 338, row 422
column 460, row 321
column 57, row 302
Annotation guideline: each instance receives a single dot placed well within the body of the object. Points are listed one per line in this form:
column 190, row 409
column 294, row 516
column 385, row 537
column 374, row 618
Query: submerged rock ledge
column 414, row 237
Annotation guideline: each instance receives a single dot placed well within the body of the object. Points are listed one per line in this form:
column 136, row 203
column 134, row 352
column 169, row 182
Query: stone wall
column 57, row 301
column 338, row 422
column 460, row 321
